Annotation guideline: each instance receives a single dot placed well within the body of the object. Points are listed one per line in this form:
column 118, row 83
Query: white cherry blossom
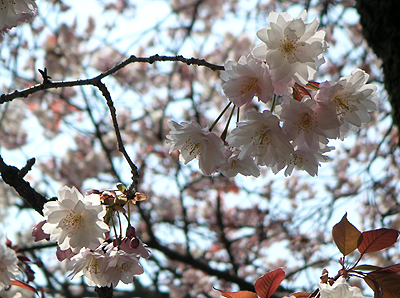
column 234, row 165
column 14, row 11
column 308, row 122
column 307, row 160
column 88, row 264
column 75, row 221
column 120, row 266
column 351, row 98
column 291, row 48
column 8, row 266
column 195, row 142
column 262, row 137
column 245, row 79
column 340, row 289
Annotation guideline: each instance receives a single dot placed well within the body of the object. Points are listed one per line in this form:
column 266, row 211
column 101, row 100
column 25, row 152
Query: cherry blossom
column 194, row 142
column 120, row 266
column 14, row 11
column 351, row 98
column 306, row 160
column 245, row 79
column 234, row 165
column 74, row 221
column 87, row 263
column 8, row 266
column 37, row 231
column 262, row 137
column 340, row 289
column 291, row 48
column 308, row 122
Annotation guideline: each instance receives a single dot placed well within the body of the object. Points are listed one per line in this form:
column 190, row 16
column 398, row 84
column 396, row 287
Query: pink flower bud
column 37, row 232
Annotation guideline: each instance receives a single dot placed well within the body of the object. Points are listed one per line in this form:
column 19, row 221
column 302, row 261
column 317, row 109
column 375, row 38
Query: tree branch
column 14, row 177
column 47, row 84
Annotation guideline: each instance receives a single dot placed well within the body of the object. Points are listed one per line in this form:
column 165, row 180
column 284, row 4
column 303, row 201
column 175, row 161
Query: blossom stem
column 219, row 117
column 115, row 230
column 224, row 133
column 273, row 103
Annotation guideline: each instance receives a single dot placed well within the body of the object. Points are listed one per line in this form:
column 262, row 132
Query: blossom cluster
column 14, row 11
column 339, row 289
column 8, row 266
column 81, row 227
column 300, row 115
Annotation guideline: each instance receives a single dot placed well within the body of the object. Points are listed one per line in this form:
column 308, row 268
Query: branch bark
column 380, row 22
column 15, row 178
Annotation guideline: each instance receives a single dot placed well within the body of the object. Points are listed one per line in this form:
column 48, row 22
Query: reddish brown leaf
column 367, row 268
column 300, row 295
column 391, row 269
column 240, row 294
column 376, row 240
column 384, row 284
column 346, row 236
column 23, row 285
column 267, row 284
column 312, row 86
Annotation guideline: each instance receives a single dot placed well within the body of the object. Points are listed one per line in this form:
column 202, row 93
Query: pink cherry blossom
column 8, row 266
column 88, row 264
column 120, row 266
column 37, row 232
column 351, row 98
column 14, row 11
column 291, row 48
column 307, row 160
column 245, row 79
column 234, row 165
column 262, row 137
column 308, row 122
column 195, row 142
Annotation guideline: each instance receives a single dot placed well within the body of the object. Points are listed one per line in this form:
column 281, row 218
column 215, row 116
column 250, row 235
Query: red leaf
column 267, row 284
column 312, row 85
column 384, row 284
column 367, row 268
column 390, row 269
column 376, row 240
column 23, row 285
column 300, row 295
column 240, row 294
column 299, row 92
column 346, row 236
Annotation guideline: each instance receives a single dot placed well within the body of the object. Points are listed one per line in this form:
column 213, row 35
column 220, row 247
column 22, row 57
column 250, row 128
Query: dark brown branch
column 121, row 148
column 94, row 81
column 104, row 292
column 14, row 177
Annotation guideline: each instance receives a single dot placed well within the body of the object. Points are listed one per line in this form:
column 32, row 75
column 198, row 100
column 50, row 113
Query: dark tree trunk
column 380, row 20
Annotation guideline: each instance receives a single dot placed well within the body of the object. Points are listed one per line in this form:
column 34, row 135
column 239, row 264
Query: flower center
column 73, row 221
column 306, row 122
column 288, row 47
column 248, row 85
column 262, row 138
column 93, row 267
column 342, row 105
column 192, row 148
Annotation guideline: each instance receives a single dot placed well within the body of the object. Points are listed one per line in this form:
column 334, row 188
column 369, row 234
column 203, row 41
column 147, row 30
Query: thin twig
column 47, row 84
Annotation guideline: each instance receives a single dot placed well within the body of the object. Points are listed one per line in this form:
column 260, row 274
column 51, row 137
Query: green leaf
column 376, row 240
column 346, row 236
column 267, row 284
